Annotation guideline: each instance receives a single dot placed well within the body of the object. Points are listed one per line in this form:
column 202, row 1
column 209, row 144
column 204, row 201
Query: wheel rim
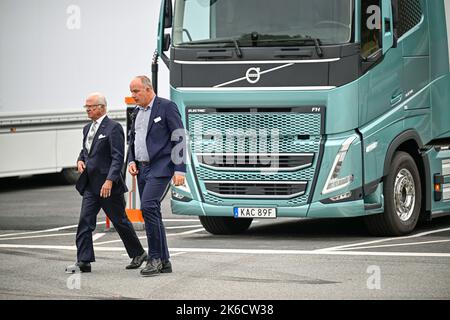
column 404, row 194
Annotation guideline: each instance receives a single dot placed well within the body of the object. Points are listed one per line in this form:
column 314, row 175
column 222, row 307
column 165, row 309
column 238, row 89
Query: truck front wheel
column 225, row 225
column 402, row 199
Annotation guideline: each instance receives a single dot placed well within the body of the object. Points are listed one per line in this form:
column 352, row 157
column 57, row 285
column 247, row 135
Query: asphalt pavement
column 276, row 259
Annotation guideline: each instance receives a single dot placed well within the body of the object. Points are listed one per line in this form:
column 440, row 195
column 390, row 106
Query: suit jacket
column 105, row 159
column 164, row 120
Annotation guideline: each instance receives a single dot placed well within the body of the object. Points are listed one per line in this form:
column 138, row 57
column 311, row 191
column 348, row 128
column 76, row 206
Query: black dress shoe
column 137, row 261
column 166, row 267
column 79, row 267
column 152, row 268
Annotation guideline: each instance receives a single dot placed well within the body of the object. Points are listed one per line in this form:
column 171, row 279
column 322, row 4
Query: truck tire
column 225, row 225
column 402, row 199
column 69, row 176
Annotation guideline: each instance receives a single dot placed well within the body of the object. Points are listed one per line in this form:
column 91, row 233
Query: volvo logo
column 253, row 75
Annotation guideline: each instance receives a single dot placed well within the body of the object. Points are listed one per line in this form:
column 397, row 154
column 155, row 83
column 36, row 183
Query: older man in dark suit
column 102, row 186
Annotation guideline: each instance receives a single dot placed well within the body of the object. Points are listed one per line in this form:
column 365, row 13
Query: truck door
column 381, row 88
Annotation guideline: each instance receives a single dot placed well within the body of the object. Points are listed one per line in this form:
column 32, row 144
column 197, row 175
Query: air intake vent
column 256, row 189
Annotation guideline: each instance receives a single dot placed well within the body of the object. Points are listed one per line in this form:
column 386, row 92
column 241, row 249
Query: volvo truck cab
column 320, row 109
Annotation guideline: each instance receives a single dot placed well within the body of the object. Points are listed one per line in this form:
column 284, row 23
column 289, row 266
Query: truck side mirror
column 165, row 21
column 166, row 44
column 168, row 14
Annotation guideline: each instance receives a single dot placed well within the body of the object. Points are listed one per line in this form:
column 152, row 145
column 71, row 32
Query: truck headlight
column 181, row 193
column 333, row 182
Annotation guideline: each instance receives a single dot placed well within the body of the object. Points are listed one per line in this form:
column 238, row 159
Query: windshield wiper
column 317, row 45
column 238, row 50
column 256, row 38
column 316, row 42
column 218, row 41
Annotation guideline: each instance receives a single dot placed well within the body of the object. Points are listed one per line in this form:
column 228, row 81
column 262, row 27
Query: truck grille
column 256, row 189
column 270, row 154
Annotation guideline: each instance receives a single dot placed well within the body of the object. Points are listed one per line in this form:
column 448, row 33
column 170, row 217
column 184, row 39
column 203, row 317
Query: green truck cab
column 319, row 109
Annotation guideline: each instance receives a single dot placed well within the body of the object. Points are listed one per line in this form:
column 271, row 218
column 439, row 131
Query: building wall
column 55, row 52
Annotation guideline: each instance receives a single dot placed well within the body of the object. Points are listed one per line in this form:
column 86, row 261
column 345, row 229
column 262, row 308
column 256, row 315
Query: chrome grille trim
column 237, row 165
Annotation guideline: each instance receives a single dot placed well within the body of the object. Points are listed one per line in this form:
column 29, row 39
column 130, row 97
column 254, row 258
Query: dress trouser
column 152, row 191
column 114, row 207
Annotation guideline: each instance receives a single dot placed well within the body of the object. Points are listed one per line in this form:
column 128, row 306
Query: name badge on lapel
column 157, row 120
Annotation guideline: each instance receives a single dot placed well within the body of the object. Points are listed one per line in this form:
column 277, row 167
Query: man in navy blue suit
column 102, row 186
column 155, row 155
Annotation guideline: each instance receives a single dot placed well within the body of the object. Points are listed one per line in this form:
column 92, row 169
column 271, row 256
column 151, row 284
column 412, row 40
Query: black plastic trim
column 316, row 73
column 318, row 166
column 439, row 214
column 401, row 138
column 426, row 164
column 371, row 187
column 372, row 206
column 357, row 194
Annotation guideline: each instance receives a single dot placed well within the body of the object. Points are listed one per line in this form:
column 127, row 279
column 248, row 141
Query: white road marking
column 384, row 240
column 177, row 254
column 115, row 241
column 145, row 237
column 400, row 244
column 25, row 246
column 245, row 251
column 40, row 236
column 75, row 226
column 180, row 220
column 311, row 252
column 186, row 232
column 40, row 231
column 171, row 255
column 184, row 227
column 44, row 231
column 97, row 236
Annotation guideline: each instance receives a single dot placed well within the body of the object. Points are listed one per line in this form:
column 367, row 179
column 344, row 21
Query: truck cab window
column 370, row 27
column 275, row 23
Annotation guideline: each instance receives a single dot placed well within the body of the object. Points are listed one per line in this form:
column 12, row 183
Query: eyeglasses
column 91, row 106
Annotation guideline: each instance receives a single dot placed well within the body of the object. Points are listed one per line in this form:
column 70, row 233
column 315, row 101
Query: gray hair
column 101, row 99
column 145, row 81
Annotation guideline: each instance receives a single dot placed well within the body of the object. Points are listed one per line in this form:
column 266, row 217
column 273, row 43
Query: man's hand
column 105, row 192
column 81, row 166
column 132, row 169
column 178, row 180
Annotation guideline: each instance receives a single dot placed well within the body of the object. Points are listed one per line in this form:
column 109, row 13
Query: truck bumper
column 314, row 210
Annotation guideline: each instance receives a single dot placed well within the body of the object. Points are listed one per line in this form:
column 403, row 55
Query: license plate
column 261, row 213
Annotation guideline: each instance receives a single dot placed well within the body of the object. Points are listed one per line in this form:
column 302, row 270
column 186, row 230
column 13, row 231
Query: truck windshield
column 261, row 22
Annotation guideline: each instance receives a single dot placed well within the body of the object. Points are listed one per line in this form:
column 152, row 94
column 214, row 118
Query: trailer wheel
column 225, row 225
column 69, row 176
column 402, row 199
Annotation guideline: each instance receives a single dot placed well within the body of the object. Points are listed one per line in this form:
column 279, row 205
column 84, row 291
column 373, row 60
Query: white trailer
column 52, row 55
